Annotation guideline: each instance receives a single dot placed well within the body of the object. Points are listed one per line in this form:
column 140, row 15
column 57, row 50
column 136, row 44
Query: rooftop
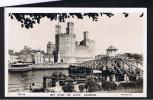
column 111, row 48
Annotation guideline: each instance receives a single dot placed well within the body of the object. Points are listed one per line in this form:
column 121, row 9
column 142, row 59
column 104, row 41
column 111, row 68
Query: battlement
column 81, row 47
column 66, row 35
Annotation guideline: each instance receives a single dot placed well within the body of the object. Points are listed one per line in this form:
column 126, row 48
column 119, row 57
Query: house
column 39, row 58
column 12, row 57
column 48, row 59
column 25, row 55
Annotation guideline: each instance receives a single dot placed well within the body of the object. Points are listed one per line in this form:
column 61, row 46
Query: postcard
column 75, row 52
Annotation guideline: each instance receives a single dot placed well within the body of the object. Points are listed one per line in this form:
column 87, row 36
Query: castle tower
column 86, row 33
column 57, row 29
column 65, row 45
column 70, row 28
column 49, row 50
column 86, row 38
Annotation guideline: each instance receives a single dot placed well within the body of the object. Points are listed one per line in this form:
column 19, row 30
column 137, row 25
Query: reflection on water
column 21, row 81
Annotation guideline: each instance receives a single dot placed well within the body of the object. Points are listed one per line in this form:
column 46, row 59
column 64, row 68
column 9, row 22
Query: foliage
column 27, row 20
column 68, row 88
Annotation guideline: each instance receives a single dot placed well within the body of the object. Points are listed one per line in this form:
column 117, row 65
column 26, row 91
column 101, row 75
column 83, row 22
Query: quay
column 23, row 67
column 49, row 66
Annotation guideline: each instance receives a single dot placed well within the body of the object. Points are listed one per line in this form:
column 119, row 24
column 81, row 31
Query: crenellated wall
column 84, row 53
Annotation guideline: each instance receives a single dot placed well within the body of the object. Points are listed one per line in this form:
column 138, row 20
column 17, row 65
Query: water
column 18, row 82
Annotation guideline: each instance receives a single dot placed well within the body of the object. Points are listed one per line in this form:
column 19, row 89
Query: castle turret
column 70, row 28
column 85, row 33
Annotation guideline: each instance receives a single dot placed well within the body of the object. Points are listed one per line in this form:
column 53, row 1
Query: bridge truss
column 116, row 65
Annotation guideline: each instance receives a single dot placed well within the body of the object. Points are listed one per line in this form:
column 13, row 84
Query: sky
column 126, row 34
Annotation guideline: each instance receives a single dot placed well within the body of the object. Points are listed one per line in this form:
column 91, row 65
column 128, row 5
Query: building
column 85, row 50
column 111, row 51
column 68, row 50
column 39, row 57
column 33, row 52
column 43, row 58
column 25, row 55
column 65, row 50
column 50, row 48
column 65, row 44
column 12, row 57
column 48, row 59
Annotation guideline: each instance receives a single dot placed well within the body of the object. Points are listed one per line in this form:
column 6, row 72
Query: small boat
column 19, row 67
column 79, row 71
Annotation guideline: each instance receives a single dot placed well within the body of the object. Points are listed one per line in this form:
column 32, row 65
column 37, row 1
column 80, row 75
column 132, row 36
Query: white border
column 75, row 10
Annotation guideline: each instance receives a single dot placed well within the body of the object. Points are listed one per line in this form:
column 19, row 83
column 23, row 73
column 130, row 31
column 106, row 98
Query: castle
column 67, row 49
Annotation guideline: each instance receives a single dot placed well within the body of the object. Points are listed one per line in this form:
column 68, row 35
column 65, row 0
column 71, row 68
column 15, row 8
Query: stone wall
column 66, row 47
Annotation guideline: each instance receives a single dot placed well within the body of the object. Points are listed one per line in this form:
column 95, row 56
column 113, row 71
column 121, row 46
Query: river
column 18, row 82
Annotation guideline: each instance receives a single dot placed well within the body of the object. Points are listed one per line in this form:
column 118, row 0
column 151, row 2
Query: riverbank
column 49, row 66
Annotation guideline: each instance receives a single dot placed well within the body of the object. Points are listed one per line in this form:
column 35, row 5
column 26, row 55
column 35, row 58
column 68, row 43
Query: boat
column 19, row 67
column 76, row 70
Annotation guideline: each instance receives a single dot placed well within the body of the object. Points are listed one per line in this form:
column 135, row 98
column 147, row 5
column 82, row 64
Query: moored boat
column 19, row 67
column 76, row 70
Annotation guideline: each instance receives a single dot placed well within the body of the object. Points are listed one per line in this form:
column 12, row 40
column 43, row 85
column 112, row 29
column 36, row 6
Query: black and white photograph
column 75, row 52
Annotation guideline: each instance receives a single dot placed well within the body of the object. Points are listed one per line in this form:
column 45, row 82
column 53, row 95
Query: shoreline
column 49, row 66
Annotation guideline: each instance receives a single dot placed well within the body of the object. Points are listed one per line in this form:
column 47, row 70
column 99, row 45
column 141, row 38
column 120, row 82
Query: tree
column 28, row 19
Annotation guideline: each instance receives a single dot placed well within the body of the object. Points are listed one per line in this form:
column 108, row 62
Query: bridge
column 117, row 65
